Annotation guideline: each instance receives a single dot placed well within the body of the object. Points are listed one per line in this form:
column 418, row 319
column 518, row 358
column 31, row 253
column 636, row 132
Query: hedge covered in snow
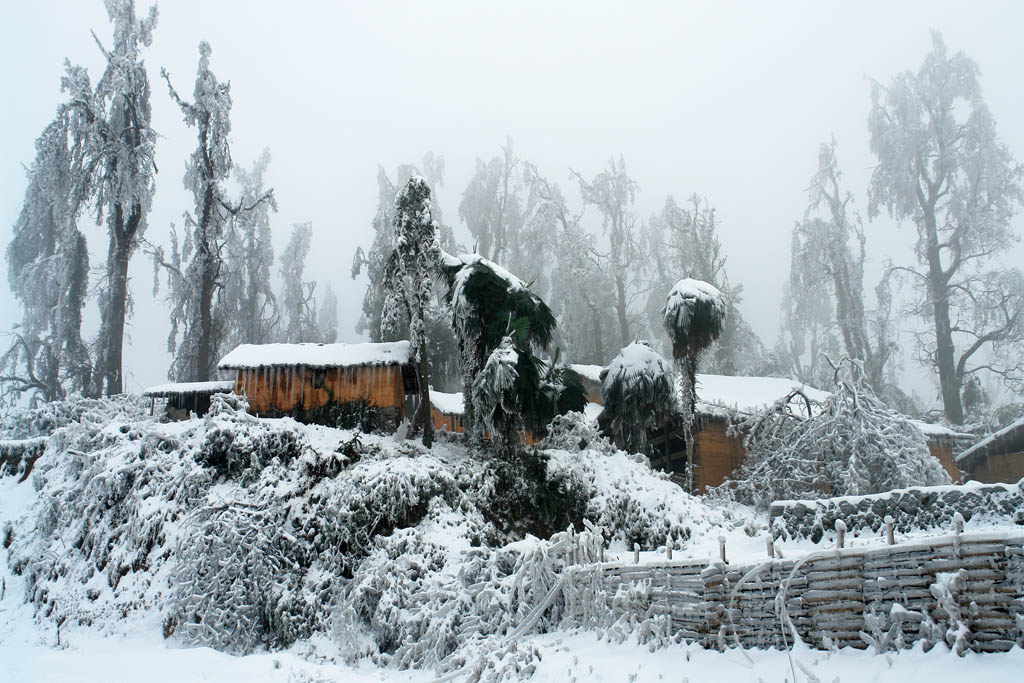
column 911, row 509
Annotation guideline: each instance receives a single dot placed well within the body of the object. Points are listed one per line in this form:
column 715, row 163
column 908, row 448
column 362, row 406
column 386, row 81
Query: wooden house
column 721, row 399
column 184, row 398
column 342, row 385
column 997, row 458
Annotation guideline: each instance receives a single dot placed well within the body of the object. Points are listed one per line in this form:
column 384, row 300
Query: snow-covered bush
column 234, row 440
column 574, row 432
column 46, row 418
column 851, row 445
column 639, row 395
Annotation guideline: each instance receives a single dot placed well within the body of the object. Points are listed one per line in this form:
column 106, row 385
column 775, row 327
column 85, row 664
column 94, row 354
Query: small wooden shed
column 997, row 458
column 335, row 384
column 185, row 398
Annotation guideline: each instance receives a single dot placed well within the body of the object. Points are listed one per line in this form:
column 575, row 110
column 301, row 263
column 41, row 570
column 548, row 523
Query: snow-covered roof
column 747, row 394
column 178, row 388
column 1008, row 439
column 938, row 431
column 590, row 372
column 450, row 404
column 249, row 356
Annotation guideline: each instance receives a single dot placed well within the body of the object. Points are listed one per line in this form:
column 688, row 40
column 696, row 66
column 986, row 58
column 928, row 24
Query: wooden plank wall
column 836, row 597
column 1000, row 468
column 303, row 389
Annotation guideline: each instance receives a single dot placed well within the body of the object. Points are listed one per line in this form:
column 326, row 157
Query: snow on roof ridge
column 315, row 355
column 990, row 439
column 451, row 404
column 189, row 388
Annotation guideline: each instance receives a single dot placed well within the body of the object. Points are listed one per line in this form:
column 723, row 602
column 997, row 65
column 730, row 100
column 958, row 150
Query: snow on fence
column 923, row 507
column 961, row 589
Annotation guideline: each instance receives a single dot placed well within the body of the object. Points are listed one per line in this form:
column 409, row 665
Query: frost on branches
column 852, row 445
column 638, row 392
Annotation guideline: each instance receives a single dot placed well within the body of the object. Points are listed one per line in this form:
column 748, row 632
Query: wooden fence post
column 668, row 550
column 770, row 546
column 840, row 533
column 721, row 548
column 890, row 536
column 636, row 553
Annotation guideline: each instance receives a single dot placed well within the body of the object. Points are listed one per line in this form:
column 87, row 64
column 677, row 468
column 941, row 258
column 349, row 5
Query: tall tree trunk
column 689, row 373
column 425, row 418
column 204, row 353
column 110, row 380
column 620, row 307
column 949, row 382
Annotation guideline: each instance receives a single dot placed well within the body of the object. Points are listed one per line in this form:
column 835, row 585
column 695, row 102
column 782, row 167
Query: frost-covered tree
column 638, row 390
column 684, row 239
column 851, row 444
column 408, row 281
column 488, row 305
column 828, row 265
column 328, row 316
column 200, row 313
column 807, row 336
column 375, row 259
column 582, row 295
column 499, row 206
column 250, row 305
column 694, row 315
column 613, row 192
column 942, row 165
column 116, row 157
column 48, row 271
column 298, row 301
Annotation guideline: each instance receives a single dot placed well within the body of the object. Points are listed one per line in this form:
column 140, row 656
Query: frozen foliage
column 638, row 393
column 240, row 533
column 494, row 402
column 693, row 315
column 942, row 165
column 853, row 444
column 202, row 309
column 298, row 303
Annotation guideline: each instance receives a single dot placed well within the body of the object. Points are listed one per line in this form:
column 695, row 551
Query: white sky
column 728, row 99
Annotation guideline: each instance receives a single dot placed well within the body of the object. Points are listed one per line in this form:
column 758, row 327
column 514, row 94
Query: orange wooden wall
column 302, row 388
column 1006, row 469
column 942, row 449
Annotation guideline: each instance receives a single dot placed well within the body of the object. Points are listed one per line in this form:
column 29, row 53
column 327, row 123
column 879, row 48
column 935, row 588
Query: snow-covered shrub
column 632, row 503
column 639, row 395
column 574, row 432
column 234, row 440
column 46, row 418
column 851, row 445
column 111, row 497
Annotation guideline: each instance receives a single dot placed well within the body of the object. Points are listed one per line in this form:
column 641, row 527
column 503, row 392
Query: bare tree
column 48, row 271
column 198, row 271
column 298, row 299
column 828, row 259
column 941, row 164
column 613, row 192
column 116, row 160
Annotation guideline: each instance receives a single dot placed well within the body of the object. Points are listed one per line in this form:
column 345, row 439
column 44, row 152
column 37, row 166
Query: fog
column 729, row 100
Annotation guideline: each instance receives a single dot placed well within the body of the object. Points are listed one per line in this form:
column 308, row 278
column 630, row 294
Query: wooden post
column 770, row 546
column 721, row 548
column 890, row 536
column 636, row 553
column 958, row 523
column 668, row 550
column 840, row 533
column 602, row 552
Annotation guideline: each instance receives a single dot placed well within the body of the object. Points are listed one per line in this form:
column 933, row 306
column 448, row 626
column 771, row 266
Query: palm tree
column 693, row 316
column 638, row 393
